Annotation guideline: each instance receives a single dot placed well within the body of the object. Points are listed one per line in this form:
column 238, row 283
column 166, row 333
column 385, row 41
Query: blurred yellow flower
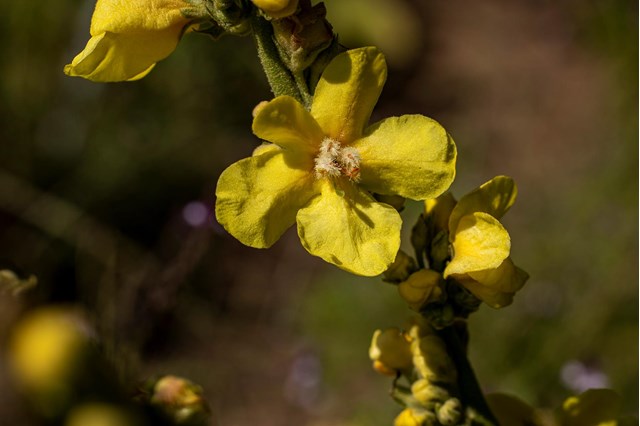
column 325, row 164
column 390, row 352
column 128, row 37
column 481, row 245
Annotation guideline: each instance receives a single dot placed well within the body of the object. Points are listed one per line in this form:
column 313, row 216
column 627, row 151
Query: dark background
column 106, row 195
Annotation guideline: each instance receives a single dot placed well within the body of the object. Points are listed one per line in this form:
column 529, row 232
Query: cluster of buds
column 462, row 255
column 426, row 377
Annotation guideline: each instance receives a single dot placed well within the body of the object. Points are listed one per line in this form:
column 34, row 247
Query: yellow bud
column 97, row 414
column 422, row 287
column 427, row 393
column 390, row 350
column 414, row 417
column 403, row 266
column 450, row 413
column 277, row 8
column 432, row 361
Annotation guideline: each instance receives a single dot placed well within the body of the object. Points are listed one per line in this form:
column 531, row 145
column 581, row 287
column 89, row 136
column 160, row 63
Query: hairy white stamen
column 334, row 161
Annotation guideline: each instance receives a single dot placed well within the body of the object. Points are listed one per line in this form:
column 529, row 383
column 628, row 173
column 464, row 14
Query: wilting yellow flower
column 128, row 37
column 324, row 165
column 481, row 245
column 277, row 8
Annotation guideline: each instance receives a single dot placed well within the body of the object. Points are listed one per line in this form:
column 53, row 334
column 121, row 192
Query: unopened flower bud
column 450, row 413
column 421, row 288
column 415, row 417
column 431, row 359
column 390, row 351
column 180, row 400
column 427, row 393
column 403, row 266
column 277, row 8
column 439, row 251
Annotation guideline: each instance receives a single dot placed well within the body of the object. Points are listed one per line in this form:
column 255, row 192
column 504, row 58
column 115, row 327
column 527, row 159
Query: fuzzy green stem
column 470, row 392
column 280, row 79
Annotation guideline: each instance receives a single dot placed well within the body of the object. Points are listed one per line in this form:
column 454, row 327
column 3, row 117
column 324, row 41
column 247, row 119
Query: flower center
column 333, row 160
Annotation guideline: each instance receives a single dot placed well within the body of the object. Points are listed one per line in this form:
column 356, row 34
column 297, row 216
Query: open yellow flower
column 481, row 245
column 128, row 37
column 324, row 164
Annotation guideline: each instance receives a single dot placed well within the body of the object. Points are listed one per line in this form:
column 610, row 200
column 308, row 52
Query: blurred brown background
column 106, row 194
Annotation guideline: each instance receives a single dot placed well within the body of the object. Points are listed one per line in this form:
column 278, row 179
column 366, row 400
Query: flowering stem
column 280, row 79
column 470, row 392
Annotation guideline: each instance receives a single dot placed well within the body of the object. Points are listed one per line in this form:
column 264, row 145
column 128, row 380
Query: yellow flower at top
column 481, row 245
column 128, row 37
column 323, row 166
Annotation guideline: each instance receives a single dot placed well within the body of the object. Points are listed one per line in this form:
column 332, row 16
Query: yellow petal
column 494, row 197
column 411, row 156
column 491, row 297
column 258, row 197
column 506, row 278
column 439, row 210
column 128, row 38
column 285, row 122
column 480, row 242
column 347, row 92
column 350, row 229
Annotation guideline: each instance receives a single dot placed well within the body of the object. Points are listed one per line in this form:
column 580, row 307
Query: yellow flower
column 324, row 165
column 277, row 8
column 390, row 351
column 128, row 37
column 594, row 407
column 481, row 245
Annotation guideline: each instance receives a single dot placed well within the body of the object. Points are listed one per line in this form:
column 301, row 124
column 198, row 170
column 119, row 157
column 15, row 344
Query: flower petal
column 285, row 122
column 350, row 229
column 494, row 197
column 347, row 92
column 258, row 197
column 128, row 38
column 506, row 278
column 411, row 156
column 480, row 242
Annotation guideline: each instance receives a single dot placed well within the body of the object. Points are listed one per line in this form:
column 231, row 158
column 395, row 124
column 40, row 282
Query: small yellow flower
column 390, row 351
column 128, row 37
column 277, row 8
column 422, row 287
column 594, row 407
column 414, row 417
column 325, row 164
column 481, row 245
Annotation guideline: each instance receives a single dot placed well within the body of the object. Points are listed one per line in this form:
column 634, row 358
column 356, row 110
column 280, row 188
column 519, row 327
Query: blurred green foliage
column 94, row 179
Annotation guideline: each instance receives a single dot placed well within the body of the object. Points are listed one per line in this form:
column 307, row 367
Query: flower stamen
column 334, row 161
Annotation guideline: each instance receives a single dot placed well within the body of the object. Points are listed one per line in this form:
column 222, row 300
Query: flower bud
column 430, row 357
column 277, row 8
column 390, row 351
column 301, row 38
column 426, row 393
column 180, row 400
column 403, row 266
column 450, row 413
column 421, row 288
column 415, row 417
column 420, row 235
